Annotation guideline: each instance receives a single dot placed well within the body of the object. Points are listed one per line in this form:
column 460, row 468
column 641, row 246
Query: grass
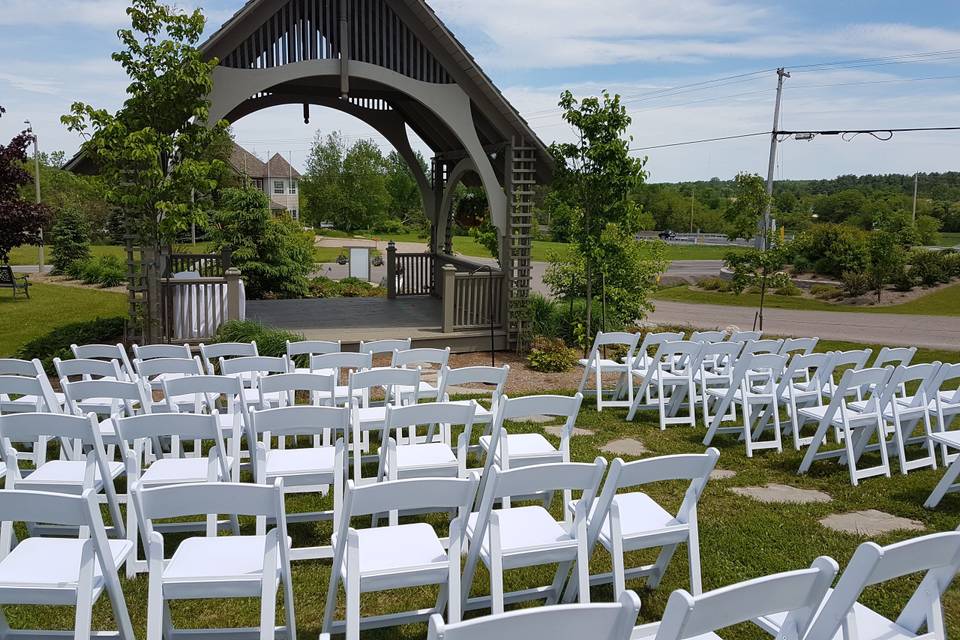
column 945, row 302
column 950, row 239
column 740, row 538
column 27, row 255
column 50, row 306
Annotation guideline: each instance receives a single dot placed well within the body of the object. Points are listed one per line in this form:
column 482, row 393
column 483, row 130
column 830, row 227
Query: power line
column 849, row 134
column 689, row 142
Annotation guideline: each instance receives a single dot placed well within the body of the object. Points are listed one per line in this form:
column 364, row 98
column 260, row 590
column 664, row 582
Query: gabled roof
column 247, row 164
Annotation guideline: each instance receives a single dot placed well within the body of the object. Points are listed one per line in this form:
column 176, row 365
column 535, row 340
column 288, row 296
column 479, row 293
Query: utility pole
column 36, row 182
column 693, row 202
column 762, row 241
column 916, row 186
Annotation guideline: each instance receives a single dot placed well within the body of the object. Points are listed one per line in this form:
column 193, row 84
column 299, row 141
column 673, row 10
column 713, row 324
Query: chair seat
column 341, row 392
column 818, row 413
column 605, row 363
column 870, row 624
column 482, row 414
column 177, row 471
column 54, row 563
column 412, row 551
column 252, row 396
column 948, row 438
column 372, row 416
column 640, row 516
column 318, row 372
column 34, row 400
column 308, row 461
column 232, row 561
column 69, row 473
column 523, row 445
column 157, row 381
column 225, row 422
column 526, row 530
column 425, row 456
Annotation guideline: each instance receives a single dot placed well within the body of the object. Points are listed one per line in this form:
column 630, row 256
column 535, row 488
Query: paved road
column 883, row 328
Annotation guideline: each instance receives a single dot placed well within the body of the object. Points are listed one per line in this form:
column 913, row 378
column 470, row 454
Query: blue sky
column 57, row 51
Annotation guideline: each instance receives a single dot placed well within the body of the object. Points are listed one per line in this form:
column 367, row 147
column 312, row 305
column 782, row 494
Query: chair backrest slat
column 436, row 494
column 524, row 481
column 17, row 367
column 405, row 358
column 377, row 347
column 301, row 420
column 154, row 351
column 163, row 365
column 804, row 346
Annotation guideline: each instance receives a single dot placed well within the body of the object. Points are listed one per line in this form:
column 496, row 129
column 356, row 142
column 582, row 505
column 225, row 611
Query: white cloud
column 93, row 13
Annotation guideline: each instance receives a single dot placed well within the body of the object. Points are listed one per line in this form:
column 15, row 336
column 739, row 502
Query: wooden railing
column 410, row 274
column 194, row 309
column 208, row 265
column 477, row 300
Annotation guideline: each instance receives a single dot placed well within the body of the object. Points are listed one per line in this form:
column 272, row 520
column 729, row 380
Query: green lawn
column 50, row 306
column 945, row 302
column 28, row 254
column 950, row 239
column 739, row 538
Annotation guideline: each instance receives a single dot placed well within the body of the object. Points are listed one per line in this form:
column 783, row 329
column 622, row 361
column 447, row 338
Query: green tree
column 67, row 191
column 69, row 240
column 599, row 172
column 406, row 203
column 275, row 255
column 154, row 152
column 746, row 209
column 345, row 186
column 886, row 260
column 759, row 268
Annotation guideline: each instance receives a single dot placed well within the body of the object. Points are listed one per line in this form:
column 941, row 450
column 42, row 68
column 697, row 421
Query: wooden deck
column 351, row 320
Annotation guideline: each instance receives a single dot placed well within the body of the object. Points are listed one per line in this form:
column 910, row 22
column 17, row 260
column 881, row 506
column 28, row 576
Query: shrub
column 951, row 263
column 832, row 249
column 112, row 271
column 788, row 289
column 855, row 283
column 826, row 291
column 550, row 355
column 802, row 264
column 56, row 343
column 69, row 240
column 903, row 280
column 928, row 267
column 76, row 269
column 270, row 342
column 714, row 284
column 567, row 320
column 346, row 288
column 91, row 272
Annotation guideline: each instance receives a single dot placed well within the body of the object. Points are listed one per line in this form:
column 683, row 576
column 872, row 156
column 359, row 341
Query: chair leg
column 660, row 566
column 353, row 596
column 496, row 587
column 559, row 579
column 619, row 570
column 83, row 616
column 155, row 610
column 943, row 487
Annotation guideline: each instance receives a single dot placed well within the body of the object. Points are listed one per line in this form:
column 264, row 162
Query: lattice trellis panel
column 520, row 238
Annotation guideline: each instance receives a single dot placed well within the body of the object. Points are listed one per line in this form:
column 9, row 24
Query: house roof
column 247, row 164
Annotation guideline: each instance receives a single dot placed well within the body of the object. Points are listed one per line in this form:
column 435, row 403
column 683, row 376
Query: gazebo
column 393, row 64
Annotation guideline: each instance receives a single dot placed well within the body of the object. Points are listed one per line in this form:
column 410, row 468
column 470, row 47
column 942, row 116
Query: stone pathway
column 781, row 493
column 577, row 431
column 626, row 447
column 869, row 523
column 722, row 474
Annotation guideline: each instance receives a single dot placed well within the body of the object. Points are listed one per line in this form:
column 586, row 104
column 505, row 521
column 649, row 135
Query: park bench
column 10, row 280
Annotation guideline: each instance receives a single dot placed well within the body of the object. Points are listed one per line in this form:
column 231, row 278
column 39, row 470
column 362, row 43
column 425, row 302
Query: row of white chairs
column 76, row 572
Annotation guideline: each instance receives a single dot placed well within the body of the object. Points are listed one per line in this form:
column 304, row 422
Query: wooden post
column 449, row 277
column 233, row 293
column 391, row 270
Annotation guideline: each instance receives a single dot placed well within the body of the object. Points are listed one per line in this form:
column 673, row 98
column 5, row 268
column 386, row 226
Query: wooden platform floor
column 351, row 320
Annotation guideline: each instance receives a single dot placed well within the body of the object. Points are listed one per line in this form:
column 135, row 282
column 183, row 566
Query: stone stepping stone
column 577, row 431
column 869, row 523
column 781, row 493
column 627, row 447
column 541, row 419
column 722, row 474
column 454, row 390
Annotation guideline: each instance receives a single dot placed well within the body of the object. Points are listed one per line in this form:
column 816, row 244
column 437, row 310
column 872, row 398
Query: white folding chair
column 842, row 616
column 154, row 351
column 220, row 396
column 673, row 368
column 607, row 621
column 339, row 365
column 757, row 347
column 48, row 400
column 801, row 386
column 854, row 359
column 250, row 369
column 804, row 346
column 385, row 347
column 301, row 351
column 794, row 594
column 308, row 469
column 75, row 472
column 212, row 566
column 511, row 450
column 424, row 359
column 213, row 353
column 105, row 352
column 371, row 414
column 433, row 456
column 625, row 522
column 856, row 426
column 745, row 336
column 717, row 363
column 136, row 432
column 596, row 364
column 28, row 395
column 494, row 378
column 89, row 369
column 109, row 399
column 399, row 555
column 754, row 386
column 643, row 358
column 905, row 414
column 895, row 356
column 156, row 370
column 708, row 336
column 515, row 537
column 943, row 394
column 57, row 571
